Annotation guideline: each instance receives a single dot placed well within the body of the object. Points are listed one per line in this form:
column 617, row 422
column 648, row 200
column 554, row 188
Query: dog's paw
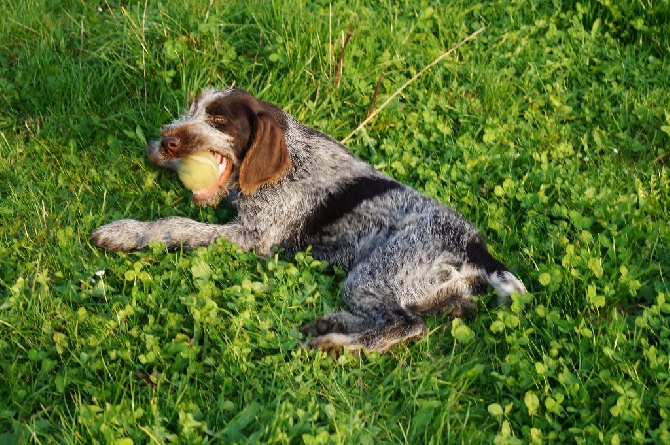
column 121, row 236
column 322, row 326
column 333, row 344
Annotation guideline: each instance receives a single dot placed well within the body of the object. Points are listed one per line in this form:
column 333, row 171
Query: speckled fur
column 406, row 255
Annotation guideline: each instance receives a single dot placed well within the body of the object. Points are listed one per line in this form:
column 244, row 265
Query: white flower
column 100, row 273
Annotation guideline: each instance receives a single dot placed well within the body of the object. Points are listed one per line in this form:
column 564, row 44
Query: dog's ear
column 267, row 159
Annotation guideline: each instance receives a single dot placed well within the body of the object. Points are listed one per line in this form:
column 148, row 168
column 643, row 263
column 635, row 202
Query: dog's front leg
column 129, row 234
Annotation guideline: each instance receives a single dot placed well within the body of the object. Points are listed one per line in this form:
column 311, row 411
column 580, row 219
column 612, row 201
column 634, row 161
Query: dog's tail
column 503, row 281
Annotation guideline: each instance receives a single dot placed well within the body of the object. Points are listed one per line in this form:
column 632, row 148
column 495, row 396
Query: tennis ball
column 198, row 171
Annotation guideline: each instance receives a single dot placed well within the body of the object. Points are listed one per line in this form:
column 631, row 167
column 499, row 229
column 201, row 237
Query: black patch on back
column 478, row 255
column 342, row 202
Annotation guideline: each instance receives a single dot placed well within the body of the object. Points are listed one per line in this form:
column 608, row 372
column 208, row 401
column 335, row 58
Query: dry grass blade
column 416, row 76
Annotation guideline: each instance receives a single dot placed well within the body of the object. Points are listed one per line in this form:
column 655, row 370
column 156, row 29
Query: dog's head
column 245, row 135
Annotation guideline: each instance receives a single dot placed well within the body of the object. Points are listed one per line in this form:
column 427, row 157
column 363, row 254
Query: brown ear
column 267, row 160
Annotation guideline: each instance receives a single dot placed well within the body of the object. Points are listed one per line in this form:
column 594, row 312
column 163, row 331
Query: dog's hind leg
column 377, row 320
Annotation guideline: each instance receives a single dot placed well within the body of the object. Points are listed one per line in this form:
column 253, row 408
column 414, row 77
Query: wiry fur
column 406, row 254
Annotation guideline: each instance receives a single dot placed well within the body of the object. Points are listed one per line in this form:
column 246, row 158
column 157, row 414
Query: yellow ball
column 198, row 171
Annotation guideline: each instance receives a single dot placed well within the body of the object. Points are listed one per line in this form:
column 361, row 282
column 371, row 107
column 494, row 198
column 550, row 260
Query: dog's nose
column 171, row 144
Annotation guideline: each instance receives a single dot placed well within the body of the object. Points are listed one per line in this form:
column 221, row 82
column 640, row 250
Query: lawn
column 550, row 130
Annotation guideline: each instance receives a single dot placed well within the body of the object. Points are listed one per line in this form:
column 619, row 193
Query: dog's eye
column 218, row 120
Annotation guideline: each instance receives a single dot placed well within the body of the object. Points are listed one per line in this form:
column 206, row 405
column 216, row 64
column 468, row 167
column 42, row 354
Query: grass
column 551, row 131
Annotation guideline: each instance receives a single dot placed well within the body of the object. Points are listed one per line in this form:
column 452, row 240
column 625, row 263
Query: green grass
column 551, row 131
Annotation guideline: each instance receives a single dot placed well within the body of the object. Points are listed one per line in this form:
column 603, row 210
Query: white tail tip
column 505, row 283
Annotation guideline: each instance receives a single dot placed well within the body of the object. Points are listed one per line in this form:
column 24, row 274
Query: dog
column 406, row 255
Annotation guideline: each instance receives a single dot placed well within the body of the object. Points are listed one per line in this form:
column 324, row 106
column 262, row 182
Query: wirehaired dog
column 406, row 255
